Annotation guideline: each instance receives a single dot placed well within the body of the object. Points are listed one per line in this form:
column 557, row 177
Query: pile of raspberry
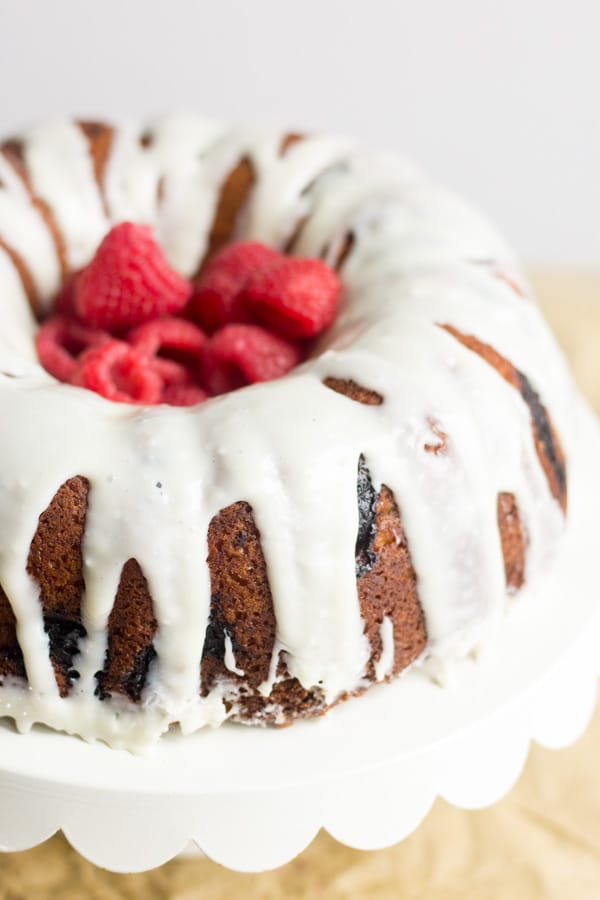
column 135, row 331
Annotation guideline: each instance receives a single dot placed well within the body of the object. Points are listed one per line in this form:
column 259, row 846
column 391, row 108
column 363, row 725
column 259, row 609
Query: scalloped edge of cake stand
column 251, row 799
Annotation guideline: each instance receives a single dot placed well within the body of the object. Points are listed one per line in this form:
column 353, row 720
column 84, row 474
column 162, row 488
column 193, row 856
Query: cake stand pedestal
column 368, row 772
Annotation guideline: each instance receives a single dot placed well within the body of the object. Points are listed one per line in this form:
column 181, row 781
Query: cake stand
column 368, row 772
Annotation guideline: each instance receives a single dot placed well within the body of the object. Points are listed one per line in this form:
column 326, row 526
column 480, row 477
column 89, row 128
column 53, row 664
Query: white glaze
column 229, row 657
column 383, row 666
column 289, row 448
column 61, row 172
column 22, row 226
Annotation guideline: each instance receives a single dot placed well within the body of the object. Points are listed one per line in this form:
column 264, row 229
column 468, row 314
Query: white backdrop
column 500, row 100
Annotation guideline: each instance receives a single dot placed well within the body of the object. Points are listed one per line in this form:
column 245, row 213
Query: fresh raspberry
column 183, row 395
column 60, row 341
column 120, row 373
column 129, row 281
column 241, row 354
column 296, row 297
column 154, row 356
column 174, row 346
column 216, row 300
column 172, row 373
column 170, row 335
column 64, row 302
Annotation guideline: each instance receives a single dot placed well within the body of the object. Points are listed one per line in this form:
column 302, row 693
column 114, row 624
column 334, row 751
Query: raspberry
column 129, row 281
column 296, row 297
column 171, row 372
column 174, row 346
column 64, row 302
column 239, row 354
column 183, row 395
column 120, row 373
column 217, row 295
column 152, row 355
column 176, row 336
column 59, row 342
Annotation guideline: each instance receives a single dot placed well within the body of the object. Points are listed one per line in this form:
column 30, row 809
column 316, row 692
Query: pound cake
column 266, row 546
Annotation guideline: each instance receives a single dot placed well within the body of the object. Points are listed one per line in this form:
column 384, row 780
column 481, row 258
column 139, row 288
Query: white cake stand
column 368, row 773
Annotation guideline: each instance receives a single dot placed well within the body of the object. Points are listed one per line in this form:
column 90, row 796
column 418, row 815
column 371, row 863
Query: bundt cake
column 276, row 549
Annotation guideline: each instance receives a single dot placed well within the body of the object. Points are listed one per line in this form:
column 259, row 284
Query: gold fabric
column 541, row 842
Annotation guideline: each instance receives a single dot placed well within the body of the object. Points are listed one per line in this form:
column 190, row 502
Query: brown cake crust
column 386, row 579
column 513, row 540
column 287, row 701
column 55, row 562
column 441, row 447
column 344, row 251
column 233, row 196
column 294, row 237
column 242, row 607
column 55, row 558
column 547, row 444
column 288, row 140
column 132, row 627
column 146, row 139
column 354, row 391
column 512, row 284
column 100, row 140
column 11, row 658
column 241, row 603
column 347, row 243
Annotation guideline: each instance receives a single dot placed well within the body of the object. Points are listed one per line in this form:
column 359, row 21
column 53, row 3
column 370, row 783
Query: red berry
column 240, row 354
column 64, row 302
column 217, row 295
column 59, row 342
column 183, row 395
column 168, row 359
column 129, row 281
column 174, row 346
column 171, row 372
column 169, row 334
column 120, row 373
column 296, row 297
